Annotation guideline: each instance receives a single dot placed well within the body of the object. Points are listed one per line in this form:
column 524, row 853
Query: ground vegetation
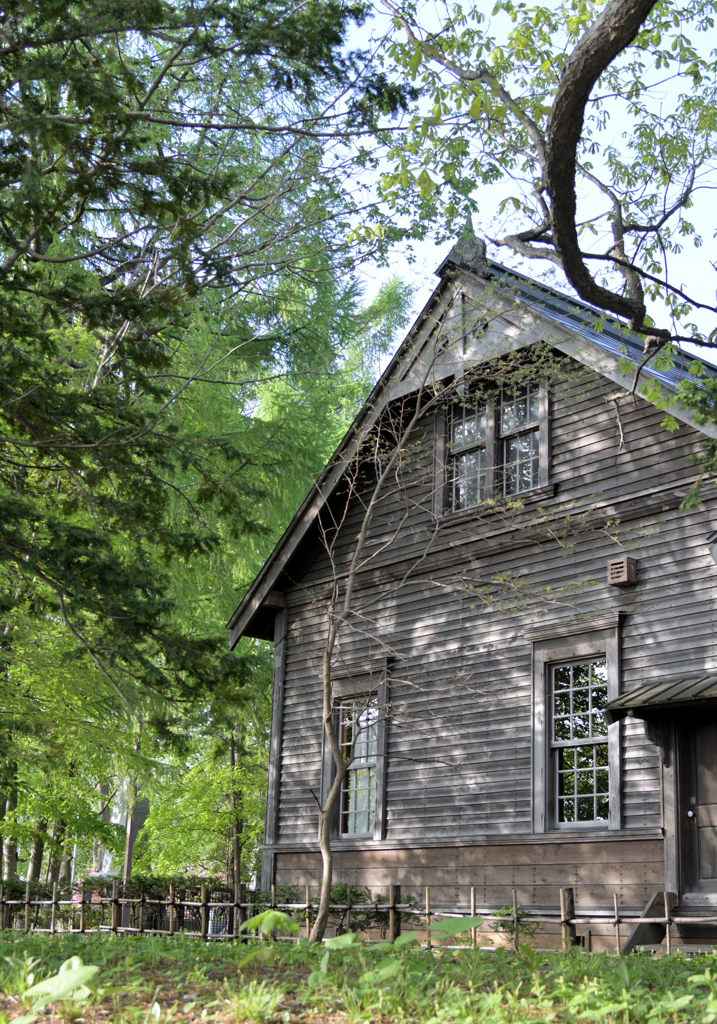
column 183, row 980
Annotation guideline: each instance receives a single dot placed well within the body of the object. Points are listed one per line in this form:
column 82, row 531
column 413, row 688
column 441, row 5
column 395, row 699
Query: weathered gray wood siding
column 632, row 869
column 451, row 599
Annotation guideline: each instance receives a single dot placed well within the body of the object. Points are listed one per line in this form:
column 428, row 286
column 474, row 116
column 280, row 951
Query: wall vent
column 622, row 572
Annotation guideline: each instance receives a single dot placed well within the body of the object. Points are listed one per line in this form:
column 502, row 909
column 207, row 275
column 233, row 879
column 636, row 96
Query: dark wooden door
column 700, row 807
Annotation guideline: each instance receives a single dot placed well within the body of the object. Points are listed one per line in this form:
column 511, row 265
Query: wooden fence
column 209, row 919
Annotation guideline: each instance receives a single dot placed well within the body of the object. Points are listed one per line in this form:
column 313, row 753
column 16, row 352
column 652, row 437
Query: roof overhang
column 660, row 699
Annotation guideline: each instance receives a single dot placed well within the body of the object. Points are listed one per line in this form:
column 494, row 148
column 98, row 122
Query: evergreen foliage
column 177, row 300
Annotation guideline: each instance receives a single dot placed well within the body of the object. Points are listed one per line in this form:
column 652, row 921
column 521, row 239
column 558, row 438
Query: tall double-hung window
column 498, row 445
column 359, row 745
column 576, row 754
column 580, row 765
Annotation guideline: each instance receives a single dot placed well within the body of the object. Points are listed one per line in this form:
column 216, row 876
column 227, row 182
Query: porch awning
column 689, row 692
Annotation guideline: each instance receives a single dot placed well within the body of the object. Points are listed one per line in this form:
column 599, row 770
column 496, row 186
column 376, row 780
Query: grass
column 152, row 980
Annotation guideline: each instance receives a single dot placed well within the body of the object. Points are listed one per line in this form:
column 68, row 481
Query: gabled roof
column 609, row 334
column 532, row 311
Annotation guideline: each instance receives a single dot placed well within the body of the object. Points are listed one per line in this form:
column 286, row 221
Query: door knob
column 690, row 814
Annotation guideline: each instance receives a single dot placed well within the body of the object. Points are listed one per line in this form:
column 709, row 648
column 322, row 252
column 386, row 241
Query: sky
column 692, row 268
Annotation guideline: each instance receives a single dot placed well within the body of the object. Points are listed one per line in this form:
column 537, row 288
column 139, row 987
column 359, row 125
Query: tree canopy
column 601, row 117
column 178, row 299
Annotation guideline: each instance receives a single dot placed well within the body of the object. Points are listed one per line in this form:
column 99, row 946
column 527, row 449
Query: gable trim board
column 530, row 312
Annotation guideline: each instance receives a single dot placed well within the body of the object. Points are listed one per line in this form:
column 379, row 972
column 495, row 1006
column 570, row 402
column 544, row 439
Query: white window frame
column 494, row 445
column 574, row 643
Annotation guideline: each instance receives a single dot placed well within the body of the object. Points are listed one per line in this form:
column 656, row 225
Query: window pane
column 562, row 729
column 359, row 729
column 358, row 803
column 599, row 695
column 566, row 810
column 581, row 701
column 599, row 725
column 582, row 778
column 359, row 739
column 586, row 809
column 521, row 462
column 579, row 694
column 562, row 703
column 562, row 678
column 469, row 479
column 520, row 408
column 468, row 424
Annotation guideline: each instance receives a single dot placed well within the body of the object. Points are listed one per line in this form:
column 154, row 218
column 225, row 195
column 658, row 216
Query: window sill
column 531, row 497
column 587, row 826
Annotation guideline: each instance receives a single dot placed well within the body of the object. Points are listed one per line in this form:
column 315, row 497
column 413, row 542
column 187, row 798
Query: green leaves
column 271, row 920
column 491, row 87
column 70, row 984
column 456, row 926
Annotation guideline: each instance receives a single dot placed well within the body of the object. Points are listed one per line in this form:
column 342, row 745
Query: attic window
column 469, row 435
column 520, row 439
column 497, row 446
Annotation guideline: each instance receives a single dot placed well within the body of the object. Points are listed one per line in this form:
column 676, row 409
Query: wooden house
column 531, row 648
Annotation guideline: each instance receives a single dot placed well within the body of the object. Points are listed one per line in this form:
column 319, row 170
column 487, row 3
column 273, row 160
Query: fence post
column 170, row 908
column 348, row 908
column 617, row 923
column 428, row 917
column 667, row 899
column 516, row 939
column 141, row 912
column 82, row 912
column 474, row 931
column 391, row 915
column 53, row 918
column 235, row 912
column 27, row 906
column 307, row 897
column 242, row 908
column 2, row 906
column 567, row 912
column 203, row 909
column 115, row 910
column 396, row 912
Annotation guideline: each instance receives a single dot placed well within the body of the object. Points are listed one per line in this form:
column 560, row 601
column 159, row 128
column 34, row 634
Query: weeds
column 254, row 1002
column 161, row 981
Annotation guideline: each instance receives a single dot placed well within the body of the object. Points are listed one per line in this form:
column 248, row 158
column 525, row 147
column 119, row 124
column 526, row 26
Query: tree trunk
column 326, row 813
column 36, row 854
column 2, row 836
column 10, row 844
column 53, row 863
column 65, row 873
column 103, row 789
column 339, row 612
column 238, row 824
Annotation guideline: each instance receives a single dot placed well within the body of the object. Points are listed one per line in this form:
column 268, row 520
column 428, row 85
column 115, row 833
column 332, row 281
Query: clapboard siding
column 632, row 869
column 453, row 618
